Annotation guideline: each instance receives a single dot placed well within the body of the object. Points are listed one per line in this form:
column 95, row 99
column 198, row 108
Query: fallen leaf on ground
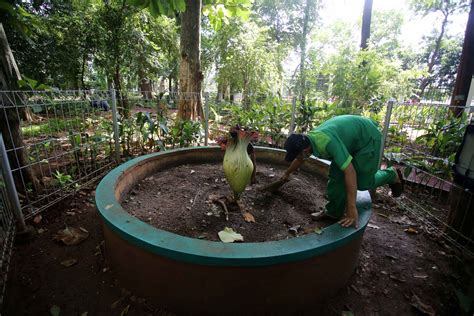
column 71, row 235
column 69, row 262
column 294, row 229
column 249, row 217
column 229, row 235
column 420, row 275
column 37, row 219
column 411, row 230
column 55, row 310
column 318, row 230
column 422, row 307
column 373, row 226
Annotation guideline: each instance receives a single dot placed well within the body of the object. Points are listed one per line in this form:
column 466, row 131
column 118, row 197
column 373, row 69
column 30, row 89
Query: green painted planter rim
column 205, row 252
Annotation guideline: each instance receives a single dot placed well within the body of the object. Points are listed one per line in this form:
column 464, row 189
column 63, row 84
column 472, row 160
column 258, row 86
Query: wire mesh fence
column 7, row 234
column 56, row 142
column 422, row 140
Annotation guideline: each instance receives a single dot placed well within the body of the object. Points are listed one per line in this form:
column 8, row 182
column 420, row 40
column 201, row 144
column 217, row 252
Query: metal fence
column 422, row 140
column 7, row 233
column 62, row 140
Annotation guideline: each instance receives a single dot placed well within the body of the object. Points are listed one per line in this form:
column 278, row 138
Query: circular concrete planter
column 197, row 276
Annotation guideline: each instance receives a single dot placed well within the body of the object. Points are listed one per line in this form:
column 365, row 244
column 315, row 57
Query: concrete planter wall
column 197, row 276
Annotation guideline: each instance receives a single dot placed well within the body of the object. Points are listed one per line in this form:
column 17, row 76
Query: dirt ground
column 398, row 273
column 184, row 200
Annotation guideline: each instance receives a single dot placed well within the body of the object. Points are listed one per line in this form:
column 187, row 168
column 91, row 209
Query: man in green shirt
column 353, row 145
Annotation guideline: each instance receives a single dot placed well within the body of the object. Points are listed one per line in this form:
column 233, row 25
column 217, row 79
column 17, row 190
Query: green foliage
column 444, row 135
column 160, row 7
column 62, row 178
column 219, row 12
column 183, row 133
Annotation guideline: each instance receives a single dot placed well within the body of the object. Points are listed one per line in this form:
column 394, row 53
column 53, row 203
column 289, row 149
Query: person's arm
column 351, row 216
column 293, row 167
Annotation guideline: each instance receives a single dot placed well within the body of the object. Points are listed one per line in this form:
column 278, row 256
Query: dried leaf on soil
column 55, row 310
column 318, row 230
column 229, row 235
column 249, row 217
column 71, row 235
column 373, row 226
column 411, row 230
column 69, row 262
column 422, row 307
column 294, row 229
column 420, row 275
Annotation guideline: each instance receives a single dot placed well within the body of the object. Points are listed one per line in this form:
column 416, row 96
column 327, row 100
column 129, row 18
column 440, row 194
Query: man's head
column 294, row 145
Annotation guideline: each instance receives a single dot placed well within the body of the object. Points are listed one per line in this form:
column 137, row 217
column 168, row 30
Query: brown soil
column 182, row 200
column 396, row 271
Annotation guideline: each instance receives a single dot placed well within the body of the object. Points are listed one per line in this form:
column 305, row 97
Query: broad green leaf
column 156, row 8
column 181, row 5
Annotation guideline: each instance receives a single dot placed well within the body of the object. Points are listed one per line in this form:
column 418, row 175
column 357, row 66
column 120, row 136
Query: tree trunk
column 10, row 117
column 434, row 57
column 190, row 75
column 307, row 10
column 466, row 67
column 366, row 18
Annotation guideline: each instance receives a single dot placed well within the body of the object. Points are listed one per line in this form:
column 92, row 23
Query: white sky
column 414, row 26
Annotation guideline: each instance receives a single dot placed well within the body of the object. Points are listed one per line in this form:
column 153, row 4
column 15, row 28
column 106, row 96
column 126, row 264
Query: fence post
column 206, row 118
column 115, row 126
column 386, row 125
column 293, row 110
column 11, row 189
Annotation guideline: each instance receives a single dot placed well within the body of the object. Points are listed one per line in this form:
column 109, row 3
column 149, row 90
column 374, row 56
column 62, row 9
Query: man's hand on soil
column 350, row 218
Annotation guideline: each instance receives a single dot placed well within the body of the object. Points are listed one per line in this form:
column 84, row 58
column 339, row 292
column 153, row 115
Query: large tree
column 366, row 18
column 445, row 9
column 466, row 66
column 190, row 74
